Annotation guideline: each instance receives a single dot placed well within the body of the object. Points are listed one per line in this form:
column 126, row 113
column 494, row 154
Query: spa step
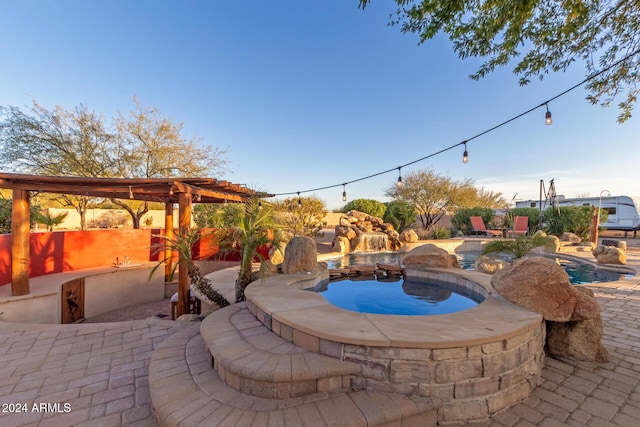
column 253, row 360
column 186, row 391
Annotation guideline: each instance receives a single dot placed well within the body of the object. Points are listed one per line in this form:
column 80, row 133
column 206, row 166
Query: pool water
column 399, row 297
column 579, row 273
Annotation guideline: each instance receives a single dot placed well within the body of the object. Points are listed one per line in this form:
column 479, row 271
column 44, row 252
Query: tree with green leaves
column 153, row 146
column 57, row 142
column 301, row 216
column 62, row 142
column 436, row 195
column 540, row 37
column 400, row 214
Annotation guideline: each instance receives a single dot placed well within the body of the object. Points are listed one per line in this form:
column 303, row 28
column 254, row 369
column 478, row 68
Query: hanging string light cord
column 591, row 77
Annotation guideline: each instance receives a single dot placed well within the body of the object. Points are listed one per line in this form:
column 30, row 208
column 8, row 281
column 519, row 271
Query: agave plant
column 254, row 228
column 518, row 247
column 183, row 244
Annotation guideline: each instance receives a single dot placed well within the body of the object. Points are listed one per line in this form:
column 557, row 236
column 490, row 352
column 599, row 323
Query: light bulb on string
column 465, row 155
column 399, row 183
column 299, row 200
column 130, row 193
column 547, row 116
column 259, row 204
column 344, row 192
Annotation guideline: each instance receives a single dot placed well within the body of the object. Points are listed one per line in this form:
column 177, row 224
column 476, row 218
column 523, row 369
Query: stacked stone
column 354, row 224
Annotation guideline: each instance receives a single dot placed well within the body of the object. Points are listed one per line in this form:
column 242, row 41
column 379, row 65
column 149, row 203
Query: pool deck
column 101, row 369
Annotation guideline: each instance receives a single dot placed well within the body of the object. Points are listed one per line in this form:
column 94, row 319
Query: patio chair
column 477, row 226
column 520, row 226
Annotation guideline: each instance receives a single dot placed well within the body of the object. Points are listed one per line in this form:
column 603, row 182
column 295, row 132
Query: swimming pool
column 579, row 272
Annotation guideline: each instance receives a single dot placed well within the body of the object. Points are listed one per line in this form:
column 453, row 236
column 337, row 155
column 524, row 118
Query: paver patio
column 100, row 370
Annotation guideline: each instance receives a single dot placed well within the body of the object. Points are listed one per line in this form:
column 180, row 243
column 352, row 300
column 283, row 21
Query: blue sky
column 308, row 94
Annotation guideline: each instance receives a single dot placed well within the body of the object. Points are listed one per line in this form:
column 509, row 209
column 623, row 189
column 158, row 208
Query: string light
column 399, row 183
column 198, row 197
column 299, row 200
column 259, row 204
column 548, row 121
column 130, row 193
column 465, row 155
column 171, row 191
column 344, row 192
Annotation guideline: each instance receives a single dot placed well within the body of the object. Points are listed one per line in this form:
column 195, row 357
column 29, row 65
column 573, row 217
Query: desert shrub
column 368, row 206
column 574, row 219
column 301, row 216
column 440, row 233
column 217, row 215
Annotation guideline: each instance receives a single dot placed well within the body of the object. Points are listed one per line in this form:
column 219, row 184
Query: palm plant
column 518, row 247
column 255, row 227
column 183, row 244
column 48, row 220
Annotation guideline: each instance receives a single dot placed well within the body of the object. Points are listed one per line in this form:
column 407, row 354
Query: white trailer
column 622, row 210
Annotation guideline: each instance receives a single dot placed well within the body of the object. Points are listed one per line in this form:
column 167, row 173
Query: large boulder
column 300, row 256
column 609, row 255
column 341, row 244
column 570, row 237
column 275, row 255
column 577, row 340
column 430, row 256
column 574, row 325
column 485, row 264
column 409, row 236
column 539, row 284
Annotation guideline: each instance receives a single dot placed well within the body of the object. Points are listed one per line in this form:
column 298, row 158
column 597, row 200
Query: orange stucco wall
column 60, row 251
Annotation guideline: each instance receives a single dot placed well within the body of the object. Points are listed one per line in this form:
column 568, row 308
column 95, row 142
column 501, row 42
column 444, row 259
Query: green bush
column 217, row 215
column 461, row 221
column 574, row 219
column 368, row 206
column 400, row 214
column 440, row 233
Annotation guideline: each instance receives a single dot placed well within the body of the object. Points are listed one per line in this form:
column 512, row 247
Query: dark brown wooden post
column 20, row 227
column 168, row 233
column 184, row 223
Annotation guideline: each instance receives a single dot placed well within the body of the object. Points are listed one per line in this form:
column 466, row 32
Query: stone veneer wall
column 471, row 382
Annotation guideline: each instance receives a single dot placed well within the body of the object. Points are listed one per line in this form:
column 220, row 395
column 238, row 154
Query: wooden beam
column 168, row 233
column 184, row 225
column 20, row 225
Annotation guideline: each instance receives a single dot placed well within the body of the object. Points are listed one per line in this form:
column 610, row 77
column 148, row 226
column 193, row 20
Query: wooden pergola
column 183, row 191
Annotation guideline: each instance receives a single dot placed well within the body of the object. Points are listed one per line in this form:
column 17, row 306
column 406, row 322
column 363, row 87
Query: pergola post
column 184, row 224
column 168, row 234
column 20, row 225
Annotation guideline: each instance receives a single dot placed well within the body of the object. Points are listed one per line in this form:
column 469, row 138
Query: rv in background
column 622, row 210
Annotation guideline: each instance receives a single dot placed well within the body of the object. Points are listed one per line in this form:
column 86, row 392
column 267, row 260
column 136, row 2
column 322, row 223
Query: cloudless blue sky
column 308, row 94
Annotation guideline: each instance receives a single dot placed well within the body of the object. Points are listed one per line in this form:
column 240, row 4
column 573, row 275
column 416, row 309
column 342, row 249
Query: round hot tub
column 476, row 362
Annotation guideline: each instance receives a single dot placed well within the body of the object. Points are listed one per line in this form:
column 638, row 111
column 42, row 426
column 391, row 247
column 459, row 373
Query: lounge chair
column 520, row 226
column 477, row 226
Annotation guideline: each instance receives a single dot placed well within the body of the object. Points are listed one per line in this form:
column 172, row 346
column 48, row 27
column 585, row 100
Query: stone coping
column 284, row 300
